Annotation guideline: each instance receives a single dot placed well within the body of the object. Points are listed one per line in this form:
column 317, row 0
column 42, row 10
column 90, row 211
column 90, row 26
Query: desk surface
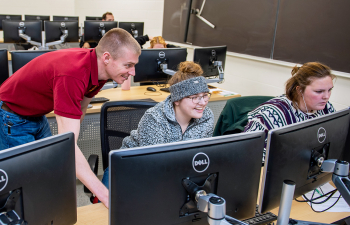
column 138, row 93
column 97, row 214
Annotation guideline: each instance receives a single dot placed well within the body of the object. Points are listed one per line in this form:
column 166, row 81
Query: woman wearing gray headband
column 183, row 115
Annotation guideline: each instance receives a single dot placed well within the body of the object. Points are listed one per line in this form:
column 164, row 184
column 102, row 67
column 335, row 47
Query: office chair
column 118, row 119
column 233, row 117
column 4, row 66
column 22, row 57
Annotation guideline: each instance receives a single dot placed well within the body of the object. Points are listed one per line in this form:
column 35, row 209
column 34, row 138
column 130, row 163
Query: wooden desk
column 89, row 137
column 97, row 214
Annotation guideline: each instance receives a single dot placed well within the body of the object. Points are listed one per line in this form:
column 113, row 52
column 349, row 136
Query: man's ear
column 177, row 103
column 106, row 57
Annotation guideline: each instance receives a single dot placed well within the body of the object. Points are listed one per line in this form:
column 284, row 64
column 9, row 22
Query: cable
column 311, row 201
column 324, row 209
column 308, row 200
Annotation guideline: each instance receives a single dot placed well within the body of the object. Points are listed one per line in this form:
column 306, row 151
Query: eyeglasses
column 197, row 99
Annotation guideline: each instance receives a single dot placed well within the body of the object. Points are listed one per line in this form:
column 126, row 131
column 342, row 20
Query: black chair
column 4, row 66
column 118, row 119
column 22, row 57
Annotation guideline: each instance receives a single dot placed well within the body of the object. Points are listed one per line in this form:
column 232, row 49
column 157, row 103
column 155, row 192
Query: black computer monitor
column 146, row 183
column 65, row 18
column 33, row 17
column 39, row 177
column 93, row 18
column 4, row 66
column 290, row 152
column 55, row 29
column 11, row 30
column 206, row 57
column 94, row 30
column 134, row 28
column 9, row 17
column 21, row 57
column 148, row 69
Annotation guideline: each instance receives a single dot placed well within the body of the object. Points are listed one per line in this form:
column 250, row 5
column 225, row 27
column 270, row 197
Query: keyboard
column 261, row 218
column 99, row 100
column 165, row 89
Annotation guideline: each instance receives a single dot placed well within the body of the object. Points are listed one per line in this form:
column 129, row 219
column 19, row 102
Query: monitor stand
column 340, row 170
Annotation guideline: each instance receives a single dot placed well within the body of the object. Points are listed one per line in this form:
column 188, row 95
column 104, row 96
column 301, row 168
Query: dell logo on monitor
column 3, row 179
column 102, row 24
column 321, row 135
column 8, row 17
column 63, row 24
column 21, row 24
column 38, row 17
column 200, row 162
column 161, row 55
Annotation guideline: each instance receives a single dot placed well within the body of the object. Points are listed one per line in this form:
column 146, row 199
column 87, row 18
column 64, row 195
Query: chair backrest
column 118, row 119
column 233, row 117
column 22, row 57
column 4, row 66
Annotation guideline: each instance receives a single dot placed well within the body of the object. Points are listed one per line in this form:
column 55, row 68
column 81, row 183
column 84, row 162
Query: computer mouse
column 151, row 89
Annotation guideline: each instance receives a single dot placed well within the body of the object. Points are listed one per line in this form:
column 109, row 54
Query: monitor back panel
column 4, row 66
column 22, row 57
column 289, row 151
column 9, row 17
column 203, row 57
column 146, row 184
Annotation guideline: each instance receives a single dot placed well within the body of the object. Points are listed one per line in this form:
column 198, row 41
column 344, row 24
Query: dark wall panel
column 244, row 26
column 314, row 30
column 305, row 30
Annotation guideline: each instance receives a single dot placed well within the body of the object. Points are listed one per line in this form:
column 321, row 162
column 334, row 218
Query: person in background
column 108, row 16
column 64, row 81
column 183, row 115
column 307, row 96
column 155, row 42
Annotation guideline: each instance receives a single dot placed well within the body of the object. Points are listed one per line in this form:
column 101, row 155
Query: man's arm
column 83, row 171
column 84, row 105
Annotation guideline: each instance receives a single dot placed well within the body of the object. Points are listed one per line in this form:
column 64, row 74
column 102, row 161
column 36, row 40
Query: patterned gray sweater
column 159, row 126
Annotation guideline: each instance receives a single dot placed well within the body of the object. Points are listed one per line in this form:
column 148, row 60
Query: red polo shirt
column 56, row 81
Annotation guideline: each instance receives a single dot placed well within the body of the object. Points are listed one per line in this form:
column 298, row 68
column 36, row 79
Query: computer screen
column 33, row 17
column 146, row 183
column 30, row 28
column 291, row 152
column 54, row 30
column 39, row 180
column 207, row 55
column 134, row 28
column 65, row 18
column 93, row 30
column 9, row 17
column 93, row 18
column 148, row 69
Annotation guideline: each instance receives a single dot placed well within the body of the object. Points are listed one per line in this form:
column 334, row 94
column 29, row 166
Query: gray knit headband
column 188, row 87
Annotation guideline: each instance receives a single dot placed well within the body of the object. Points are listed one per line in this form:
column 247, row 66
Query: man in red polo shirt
column 64, row 81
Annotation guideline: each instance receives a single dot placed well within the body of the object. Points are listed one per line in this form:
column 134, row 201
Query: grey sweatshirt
column 159, row 126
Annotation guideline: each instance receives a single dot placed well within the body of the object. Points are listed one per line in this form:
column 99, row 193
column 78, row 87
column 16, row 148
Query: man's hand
column 83, row 171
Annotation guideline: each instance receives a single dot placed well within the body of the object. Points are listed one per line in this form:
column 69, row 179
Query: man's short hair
column 116, row 41
column 104, row 16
